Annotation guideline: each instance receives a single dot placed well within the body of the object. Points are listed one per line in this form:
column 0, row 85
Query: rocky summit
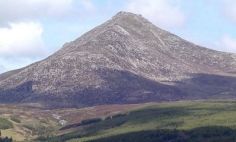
column 125, row 60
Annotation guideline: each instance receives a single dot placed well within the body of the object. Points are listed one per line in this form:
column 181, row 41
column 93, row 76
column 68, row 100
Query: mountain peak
column 124, row 60
column 125, row 13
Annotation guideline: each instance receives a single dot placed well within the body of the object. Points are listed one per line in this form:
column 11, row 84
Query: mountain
column 125, row 60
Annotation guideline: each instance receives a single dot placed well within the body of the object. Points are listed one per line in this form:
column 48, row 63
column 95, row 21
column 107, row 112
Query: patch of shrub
column 5, row 124
column 90, row 121
column 116, row 116
column 15, row 119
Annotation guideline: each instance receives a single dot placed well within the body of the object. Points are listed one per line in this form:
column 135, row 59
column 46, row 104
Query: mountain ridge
column 124, row 60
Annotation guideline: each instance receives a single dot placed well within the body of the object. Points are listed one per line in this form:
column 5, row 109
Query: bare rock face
column 125, row 60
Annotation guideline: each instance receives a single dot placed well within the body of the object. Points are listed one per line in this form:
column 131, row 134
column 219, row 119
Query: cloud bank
column 18, row 10
column 21, row 30
column 22, row 40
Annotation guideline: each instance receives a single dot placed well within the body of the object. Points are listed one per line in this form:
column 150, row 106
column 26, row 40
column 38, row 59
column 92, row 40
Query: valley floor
column 190, row 121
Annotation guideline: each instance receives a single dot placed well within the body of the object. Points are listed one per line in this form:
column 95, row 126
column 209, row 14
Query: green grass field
column 186, row 121
column 5, row 124
column 208, row 121
column 24, row 123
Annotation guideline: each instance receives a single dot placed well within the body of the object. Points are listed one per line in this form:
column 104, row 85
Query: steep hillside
column 125, row 60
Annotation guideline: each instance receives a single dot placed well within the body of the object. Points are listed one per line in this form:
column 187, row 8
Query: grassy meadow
column 184, row 121
column 208, row 121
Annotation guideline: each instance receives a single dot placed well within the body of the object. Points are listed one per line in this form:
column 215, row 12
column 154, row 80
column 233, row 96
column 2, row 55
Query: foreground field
column 30, row 121
column 208, row 121
column 187, row 121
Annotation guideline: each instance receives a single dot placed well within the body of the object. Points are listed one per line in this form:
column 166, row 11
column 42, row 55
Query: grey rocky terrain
column 125, row 60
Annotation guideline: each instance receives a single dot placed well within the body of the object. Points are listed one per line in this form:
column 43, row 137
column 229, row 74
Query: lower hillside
column 211, row 121
column 184, row 121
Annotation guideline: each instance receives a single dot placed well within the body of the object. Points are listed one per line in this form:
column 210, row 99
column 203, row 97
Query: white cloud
column 230, row 9
column 17, row 10
column 23, row 10
column 164, row 13
column 226, row 43
column 22, row 40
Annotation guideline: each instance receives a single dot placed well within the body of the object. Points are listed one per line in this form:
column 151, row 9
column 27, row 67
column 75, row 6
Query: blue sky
column 31, row 30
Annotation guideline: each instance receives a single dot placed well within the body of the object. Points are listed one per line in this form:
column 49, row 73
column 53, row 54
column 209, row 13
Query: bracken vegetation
column 212, row 121
column 5, row 124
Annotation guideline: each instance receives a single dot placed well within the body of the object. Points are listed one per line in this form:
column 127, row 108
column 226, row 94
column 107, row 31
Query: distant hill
column 125, row 60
